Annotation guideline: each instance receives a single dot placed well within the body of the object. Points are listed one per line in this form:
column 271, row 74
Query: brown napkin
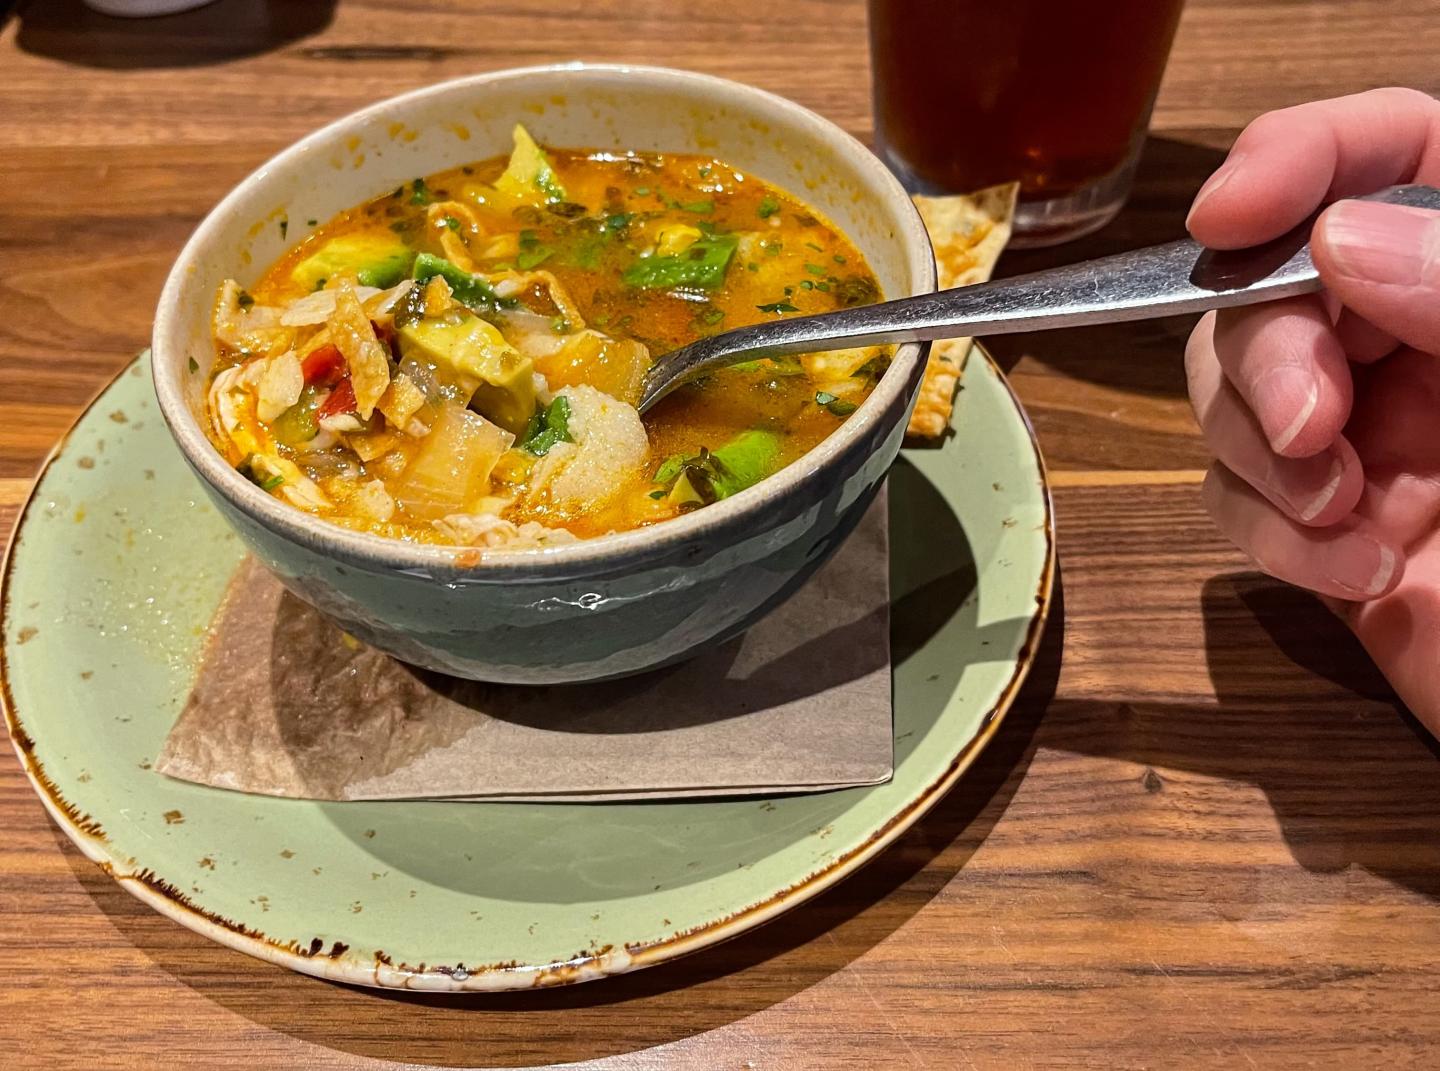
column 286, row 704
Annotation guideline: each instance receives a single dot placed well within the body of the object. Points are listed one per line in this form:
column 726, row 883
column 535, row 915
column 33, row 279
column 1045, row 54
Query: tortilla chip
column 969, row 231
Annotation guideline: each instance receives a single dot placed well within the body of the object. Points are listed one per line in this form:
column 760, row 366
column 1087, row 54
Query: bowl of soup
column 403, row 358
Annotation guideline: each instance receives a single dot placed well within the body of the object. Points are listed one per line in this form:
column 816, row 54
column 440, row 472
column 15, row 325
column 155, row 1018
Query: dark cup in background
column 1053, row 93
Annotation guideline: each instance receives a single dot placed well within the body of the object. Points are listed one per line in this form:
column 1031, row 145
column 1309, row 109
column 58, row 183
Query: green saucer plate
column 118, row 562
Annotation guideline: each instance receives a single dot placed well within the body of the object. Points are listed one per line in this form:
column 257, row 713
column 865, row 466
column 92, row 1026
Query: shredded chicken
column 250, row 329
column 232, row 409
column 374, row 502
column 488, row 530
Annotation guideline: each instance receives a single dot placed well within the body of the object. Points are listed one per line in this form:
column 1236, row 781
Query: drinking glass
column 1053, row 93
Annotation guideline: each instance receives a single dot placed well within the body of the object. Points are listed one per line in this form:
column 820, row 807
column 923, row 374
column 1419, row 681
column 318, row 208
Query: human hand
column 1324, row 411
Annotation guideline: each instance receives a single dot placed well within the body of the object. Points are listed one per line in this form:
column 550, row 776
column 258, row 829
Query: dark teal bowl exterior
column 646, row 607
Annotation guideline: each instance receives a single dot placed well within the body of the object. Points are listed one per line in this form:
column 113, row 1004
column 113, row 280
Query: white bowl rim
column 427, row 559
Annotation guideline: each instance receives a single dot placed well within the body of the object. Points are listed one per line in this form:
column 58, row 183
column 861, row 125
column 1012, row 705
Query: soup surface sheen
column 458, row 361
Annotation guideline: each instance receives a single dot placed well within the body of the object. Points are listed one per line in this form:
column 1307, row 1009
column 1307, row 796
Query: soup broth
column 458, row 360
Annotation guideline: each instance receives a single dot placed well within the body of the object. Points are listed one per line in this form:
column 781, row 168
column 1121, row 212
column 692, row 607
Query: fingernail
column 1361, row 564
column 1222, row 175
column 1285, row 388
column 1308, row 511
column 1384, row 243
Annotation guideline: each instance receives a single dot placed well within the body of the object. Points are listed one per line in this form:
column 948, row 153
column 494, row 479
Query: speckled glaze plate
column 118, row 563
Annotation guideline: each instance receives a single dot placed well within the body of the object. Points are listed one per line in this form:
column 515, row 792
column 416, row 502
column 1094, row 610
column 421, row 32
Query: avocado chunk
column 529, row 177
column 710, row 476
column 684, row 494
column 470, row 347
column 744, row 461
column 378, row 260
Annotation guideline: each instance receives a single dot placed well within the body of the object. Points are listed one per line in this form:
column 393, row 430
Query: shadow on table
column 1303, row 715
column 1352, row 785
column 67, row 30
column 1127, row 355
column 653, row 1007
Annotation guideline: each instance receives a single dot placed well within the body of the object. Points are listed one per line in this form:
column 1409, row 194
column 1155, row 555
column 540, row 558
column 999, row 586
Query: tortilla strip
column 968, row 231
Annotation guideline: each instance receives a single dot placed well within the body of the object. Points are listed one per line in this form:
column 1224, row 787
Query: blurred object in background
column 132, row 9
column 193, row 33
column 1054, row 93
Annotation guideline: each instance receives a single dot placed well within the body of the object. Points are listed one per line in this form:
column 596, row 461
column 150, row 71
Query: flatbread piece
column 968, row 231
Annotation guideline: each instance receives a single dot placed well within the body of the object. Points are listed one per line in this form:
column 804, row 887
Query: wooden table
column 1207, row 835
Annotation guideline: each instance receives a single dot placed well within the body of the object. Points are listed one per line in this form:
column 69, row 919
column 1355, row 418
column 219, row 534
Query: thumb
column 1383, row 262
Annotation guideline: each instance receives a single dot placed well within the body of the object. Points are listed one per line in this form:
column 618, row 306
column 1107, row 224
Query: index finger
column 1287, row 163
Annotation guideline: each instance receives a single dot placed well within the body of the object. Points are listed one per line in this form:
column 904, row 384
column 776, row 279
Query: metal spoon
column 1161, row 280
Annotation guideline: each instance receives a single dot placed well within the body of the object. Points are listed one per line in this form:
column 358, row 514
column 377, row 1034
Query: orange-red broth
column 789, row 262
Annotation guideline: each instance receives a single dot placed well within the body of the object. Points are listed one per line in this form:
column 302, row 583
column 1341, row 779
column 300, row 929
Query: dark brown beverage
column 1054, row 93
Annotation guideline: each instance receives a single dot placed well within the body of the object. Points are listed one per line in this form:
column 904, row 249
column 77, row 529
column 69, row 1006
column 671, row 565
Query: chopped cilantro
column 702, row 265
column 617, row 223
column 777, row 306
column 699, row 207
column 311, row 222
column 670, row 468
column 245, row 300
column 420, row 193
column 272, row 483
column 532, row 252
column 857, row 290
column 472, row 291
column 194, row 365
column 657, row 495
column 834, row 405
column 452, row 223
column 814, row 269
column 587, row 253
column 752, row 266
column 768, row 207
column 642, row 191
column 284, row 227
column 817, row 248
column 838, row 258
column 708, row 316
column 548, row 428
column 806, row 284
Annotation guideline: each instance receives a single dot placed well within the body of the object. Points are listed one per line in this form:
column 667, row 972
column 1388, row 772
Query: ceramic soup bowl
column 605, row 607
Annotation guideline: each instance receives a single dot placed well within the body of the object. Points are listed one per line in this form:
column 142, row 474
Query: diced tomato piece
column 341, row 399
column 323, row 367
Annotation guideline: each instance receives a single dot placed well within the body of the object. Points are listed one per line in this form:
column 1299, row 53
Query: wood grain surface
column 1207, row 835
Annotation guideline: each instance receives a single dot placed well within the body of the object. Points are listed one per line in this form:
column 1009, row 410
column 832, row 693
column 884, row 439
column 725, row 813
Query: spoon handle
column 1161, row 280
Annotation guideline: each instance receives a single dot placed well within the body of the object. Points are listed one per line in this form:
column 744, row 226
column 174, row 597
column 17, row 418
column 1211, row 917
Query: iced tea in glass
column 1053, row 93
